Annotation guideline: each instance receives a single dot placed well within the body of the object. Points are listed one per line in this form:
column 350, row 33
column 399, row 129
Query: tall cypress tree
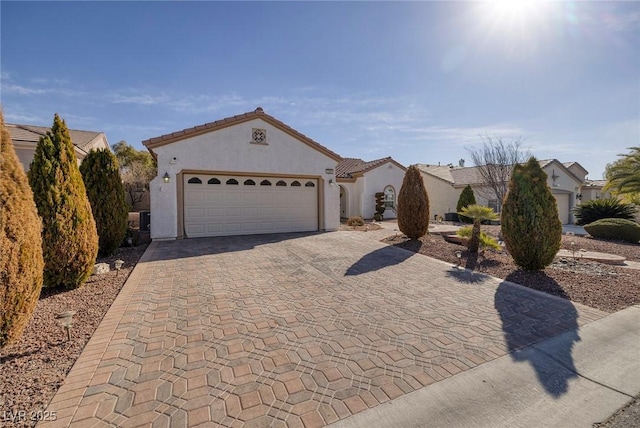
column 101, row 177
column 531, row 228
column 466, row 198
column 69, row 237
column 413, row 205
column 20, row 245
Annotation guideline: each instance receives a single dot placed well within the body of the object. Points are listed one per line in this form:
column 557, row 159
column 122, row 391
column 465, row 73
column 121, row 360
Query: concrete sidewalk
column 603, row 368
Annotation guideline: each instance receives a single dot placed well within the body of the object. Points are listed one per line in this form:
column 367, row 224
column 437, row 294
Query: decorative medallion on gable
column 259, row 136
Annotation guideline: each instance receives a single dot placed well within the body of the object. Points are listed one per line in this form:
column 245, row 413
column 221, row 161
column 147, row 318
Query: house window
column 389, row 197
column 213, row 181
column 194, row 180
column 493, row 204
column 309, row 184
column 232, row 181
column 249, row 183
column 295, row 184
column 281, row 183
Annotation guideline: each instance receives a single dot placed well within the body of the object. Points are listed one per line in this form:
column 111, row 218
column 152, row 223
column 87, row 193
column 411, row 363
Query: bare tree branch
column 495, row 161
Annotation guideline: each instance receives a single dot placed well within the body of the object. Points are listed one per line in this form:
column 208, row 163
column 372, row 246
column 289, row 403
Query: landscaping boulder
column 100, row 269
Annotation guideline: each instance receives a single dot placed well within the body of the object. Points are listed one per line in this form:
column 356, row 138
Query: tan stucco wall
column 443, row 197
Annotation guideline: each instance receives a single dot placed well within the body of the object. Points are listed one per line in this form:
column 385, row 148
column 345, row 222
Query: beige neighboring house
column 25, row 139
column 359, row 181
column 593, row 189
column 444, row 184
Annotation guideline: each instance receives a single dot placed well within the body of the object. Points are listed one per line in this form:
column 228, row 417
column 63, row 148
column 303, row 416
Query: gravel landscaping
column 605, row 287
column 32, row 369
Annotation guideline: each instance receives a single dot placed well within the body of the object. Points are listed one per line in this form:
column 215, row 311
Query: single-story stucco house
column 246, row 174
column 444, row 184
column 359, row 181
column 25, row 139
column 594, row 189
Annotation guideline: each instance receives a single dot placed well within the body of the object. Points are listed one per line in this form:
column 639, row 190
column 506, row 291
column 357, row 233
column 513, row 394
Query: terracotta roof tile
column 349, row 167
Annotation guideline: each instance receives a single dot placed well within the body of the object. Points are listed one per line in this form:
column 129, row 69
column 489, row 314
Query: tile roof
column 469, row 175
column 348, row 167
column 454, row 174
column 595, row 183
column 31, row 134
column 258, row 113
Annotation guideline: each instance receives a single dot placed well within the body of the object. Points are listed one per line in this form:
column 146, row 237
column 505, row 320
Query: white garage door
column 217, row 205
column 562, row 199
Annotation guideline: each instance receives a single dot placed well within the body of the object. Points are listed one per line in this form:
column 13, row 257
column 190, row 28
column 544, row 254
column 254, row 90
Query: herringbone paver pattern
column 291, row 330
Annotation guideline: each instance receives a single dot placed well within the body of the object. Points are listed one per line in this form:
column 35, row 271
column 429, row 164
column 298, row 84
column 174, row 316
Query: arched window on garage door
column 281, row 183
column 194, row 180
column 295, row 184
column 232, row 181
column 213, row 181
column 249, row 183
column 265, row 183
column 309, row 184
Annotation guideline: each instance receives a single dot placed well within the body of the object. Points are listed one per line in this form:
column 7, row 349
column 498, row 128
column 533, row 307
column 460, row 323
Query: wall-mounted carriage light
column 166, row 177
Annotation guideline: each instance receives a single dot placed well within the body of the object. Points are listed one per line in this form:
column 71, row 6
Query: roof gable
column 562, row 167
column 258, row 113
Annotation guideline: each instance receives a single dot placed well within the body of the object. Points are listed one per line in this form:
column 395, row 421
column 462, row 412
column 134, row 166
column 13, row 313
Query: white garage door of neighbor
column 562, row 199
column 218, row 205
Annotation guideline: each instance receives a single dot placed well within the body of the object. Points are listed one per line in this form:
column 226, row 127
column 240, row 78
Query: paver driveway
column 292, row 330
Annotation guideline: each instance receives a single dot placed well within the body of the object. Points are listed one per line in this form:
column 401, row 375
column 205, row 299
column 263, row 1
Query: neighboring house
column 593, row 189
column 246, row 174
column 25, row 139
column 359, row 181
column 445, row 183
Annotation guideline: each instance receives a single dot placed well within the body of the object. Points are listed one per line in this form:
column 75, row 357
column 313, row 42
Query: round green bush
column 615, row 229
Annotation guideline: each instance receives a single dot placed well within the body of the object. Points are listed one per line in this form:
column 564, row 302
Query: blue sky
column 418, row 81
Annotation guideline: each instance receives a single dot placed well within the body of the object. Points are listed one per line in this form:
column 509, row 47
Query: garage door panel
column 214, row 197
column 195, row 196
column 224, row 209
column 216, row 212
column 562, row 201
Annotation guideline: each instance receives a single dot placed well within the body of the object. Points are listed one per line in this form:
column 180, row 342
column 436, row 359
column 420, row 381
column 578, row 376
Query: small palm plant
column 478, row 214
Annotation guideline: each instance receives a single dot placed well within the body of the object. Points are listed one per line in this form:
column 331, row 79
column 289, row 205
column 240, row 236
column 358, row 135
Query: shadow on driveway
column 528, row 318
column 378, row 259
column 466, row 276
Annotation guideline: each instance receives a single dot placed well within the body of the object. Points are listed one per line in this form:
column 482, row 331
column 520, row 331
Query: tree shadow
column 379, row 259
column 466, row 276
column 528, row 318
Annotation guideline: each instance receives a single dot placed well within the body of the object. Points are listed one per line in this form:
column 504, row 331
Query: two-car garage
column 241, row 175
column 218, row 205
